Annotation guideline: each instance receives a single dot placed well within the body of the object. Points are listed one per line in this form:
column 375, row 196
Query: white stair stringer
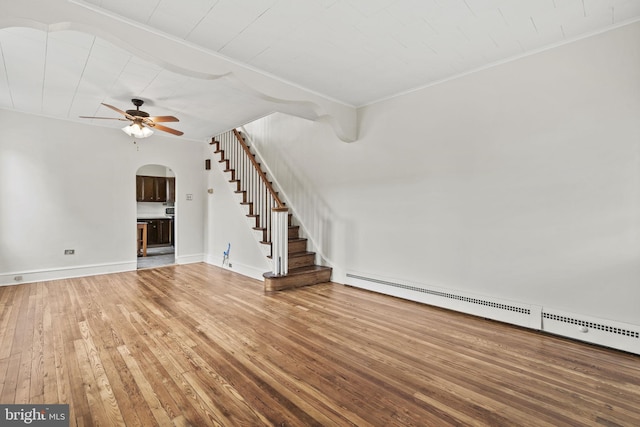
column 244, row 209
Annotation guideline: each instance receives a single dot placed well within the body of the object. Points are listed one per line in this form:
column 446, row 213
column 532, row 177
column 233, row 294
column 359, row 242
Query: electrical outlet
column 230, row 265
column 17, row 278
column 69, row 251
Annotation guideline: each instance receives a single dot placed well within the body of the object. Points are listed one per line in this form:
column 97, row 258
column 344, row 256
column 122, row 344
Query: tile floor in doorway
column 157, row 257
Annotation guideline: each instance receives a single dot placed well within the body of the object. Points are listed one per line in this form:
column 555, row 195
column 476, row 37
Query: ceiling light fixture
column 137, row 130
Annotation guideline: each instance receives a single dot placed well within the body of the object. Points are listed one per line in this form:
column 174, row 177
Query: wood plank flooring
column 196, row 345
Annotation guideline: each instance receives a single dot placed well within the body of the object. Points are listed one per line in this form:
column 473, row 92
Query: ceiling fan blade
column 128, row 116
column 104, row 118
column 160, row 119
column 166, row 129
column 141, row 118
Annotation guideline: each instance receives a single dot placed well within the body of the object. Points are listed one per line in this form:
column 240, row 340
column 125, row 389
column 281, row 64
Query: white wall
column 227, row 224
column 521, row 181
column 65, row 185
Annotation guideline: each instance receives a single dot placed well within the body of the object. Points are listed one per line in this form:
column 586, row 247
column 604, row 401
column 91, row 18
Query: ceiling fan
column 141, row 122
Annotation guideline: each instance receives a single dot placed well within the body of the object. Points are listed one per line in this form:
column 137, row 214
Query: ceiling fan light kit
column 137, row 131
column 141, row 122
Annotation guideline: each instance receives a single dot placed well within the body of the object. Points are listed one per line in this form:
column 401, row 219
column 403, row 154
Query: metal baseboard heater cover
column 586, row 328
column 492, row 308
column 608, row 333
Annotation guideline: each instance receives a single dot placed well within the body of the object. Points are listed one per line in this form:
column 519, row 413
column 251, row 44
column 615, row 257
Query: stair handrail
column 270, row 213
column 258, row 169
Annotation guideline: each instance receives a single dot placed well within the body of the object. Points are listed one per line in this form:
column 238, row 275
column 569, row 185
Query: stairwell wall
column 227, row 224
column 520, row 181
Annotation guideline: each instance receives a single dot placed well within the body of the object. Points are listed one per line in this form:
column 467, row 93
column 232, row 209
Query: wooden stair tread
column 291, row 239
column 297, row 277
column 299, row 254
column 263, row 228
column 296, row 254
column 297, row 271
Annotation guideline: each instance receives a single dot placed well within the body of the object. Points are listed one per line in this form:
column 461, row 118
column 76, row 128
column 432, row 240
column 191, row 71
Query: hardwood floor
column 198, row 345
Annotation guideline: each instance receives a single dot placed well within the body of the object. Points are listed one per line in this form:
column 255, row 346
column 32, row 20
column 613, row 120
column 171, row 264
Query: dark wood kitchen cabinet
column 139, row 188
column 145, row 188
column 152, row 232
column 159, row 231
column 151, row 188
column 171, row 189
column 164, row 233
column 160, row 189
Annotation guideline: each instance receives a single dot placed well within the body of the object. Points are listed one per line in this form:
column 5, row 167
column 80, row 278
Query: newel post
column 280, row 240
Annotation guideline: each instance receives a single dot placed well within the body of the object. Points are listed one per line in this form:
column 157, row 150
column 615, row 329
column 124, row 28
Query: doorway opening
column 156, row 216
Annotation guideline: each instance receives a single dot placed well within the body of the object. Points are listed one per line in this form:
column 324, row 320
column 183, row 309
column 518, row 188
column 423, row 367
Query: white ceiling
column 351, row 52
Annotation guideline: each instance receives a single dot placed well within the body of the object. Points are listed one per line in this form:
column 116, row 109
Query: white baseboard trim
column 31, row 276
column 237, row 267
column 189, row 259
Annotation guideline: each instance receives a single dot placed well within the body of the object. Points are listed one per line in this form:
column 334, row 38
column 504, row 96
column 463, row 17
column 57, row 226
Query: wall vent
column 591, row 325
column 448, row 295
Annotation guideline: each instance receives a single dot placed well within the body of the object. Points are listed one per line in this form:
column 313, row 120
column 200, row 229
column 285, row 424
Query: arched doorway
column 155, row 207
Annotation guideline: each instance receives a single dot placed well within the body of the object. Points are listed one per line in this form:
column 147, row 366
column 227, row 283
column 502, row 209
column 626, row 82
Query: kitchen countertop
column 150, row 218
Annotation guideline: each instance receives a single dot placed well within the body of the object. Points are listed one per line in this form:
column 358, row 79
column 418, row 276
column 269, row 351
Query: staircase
column 259, row 197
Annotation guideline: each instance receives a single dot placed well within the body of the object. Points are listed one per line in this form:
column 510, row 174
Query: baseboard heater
column 491, row 308
column 609, row 333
